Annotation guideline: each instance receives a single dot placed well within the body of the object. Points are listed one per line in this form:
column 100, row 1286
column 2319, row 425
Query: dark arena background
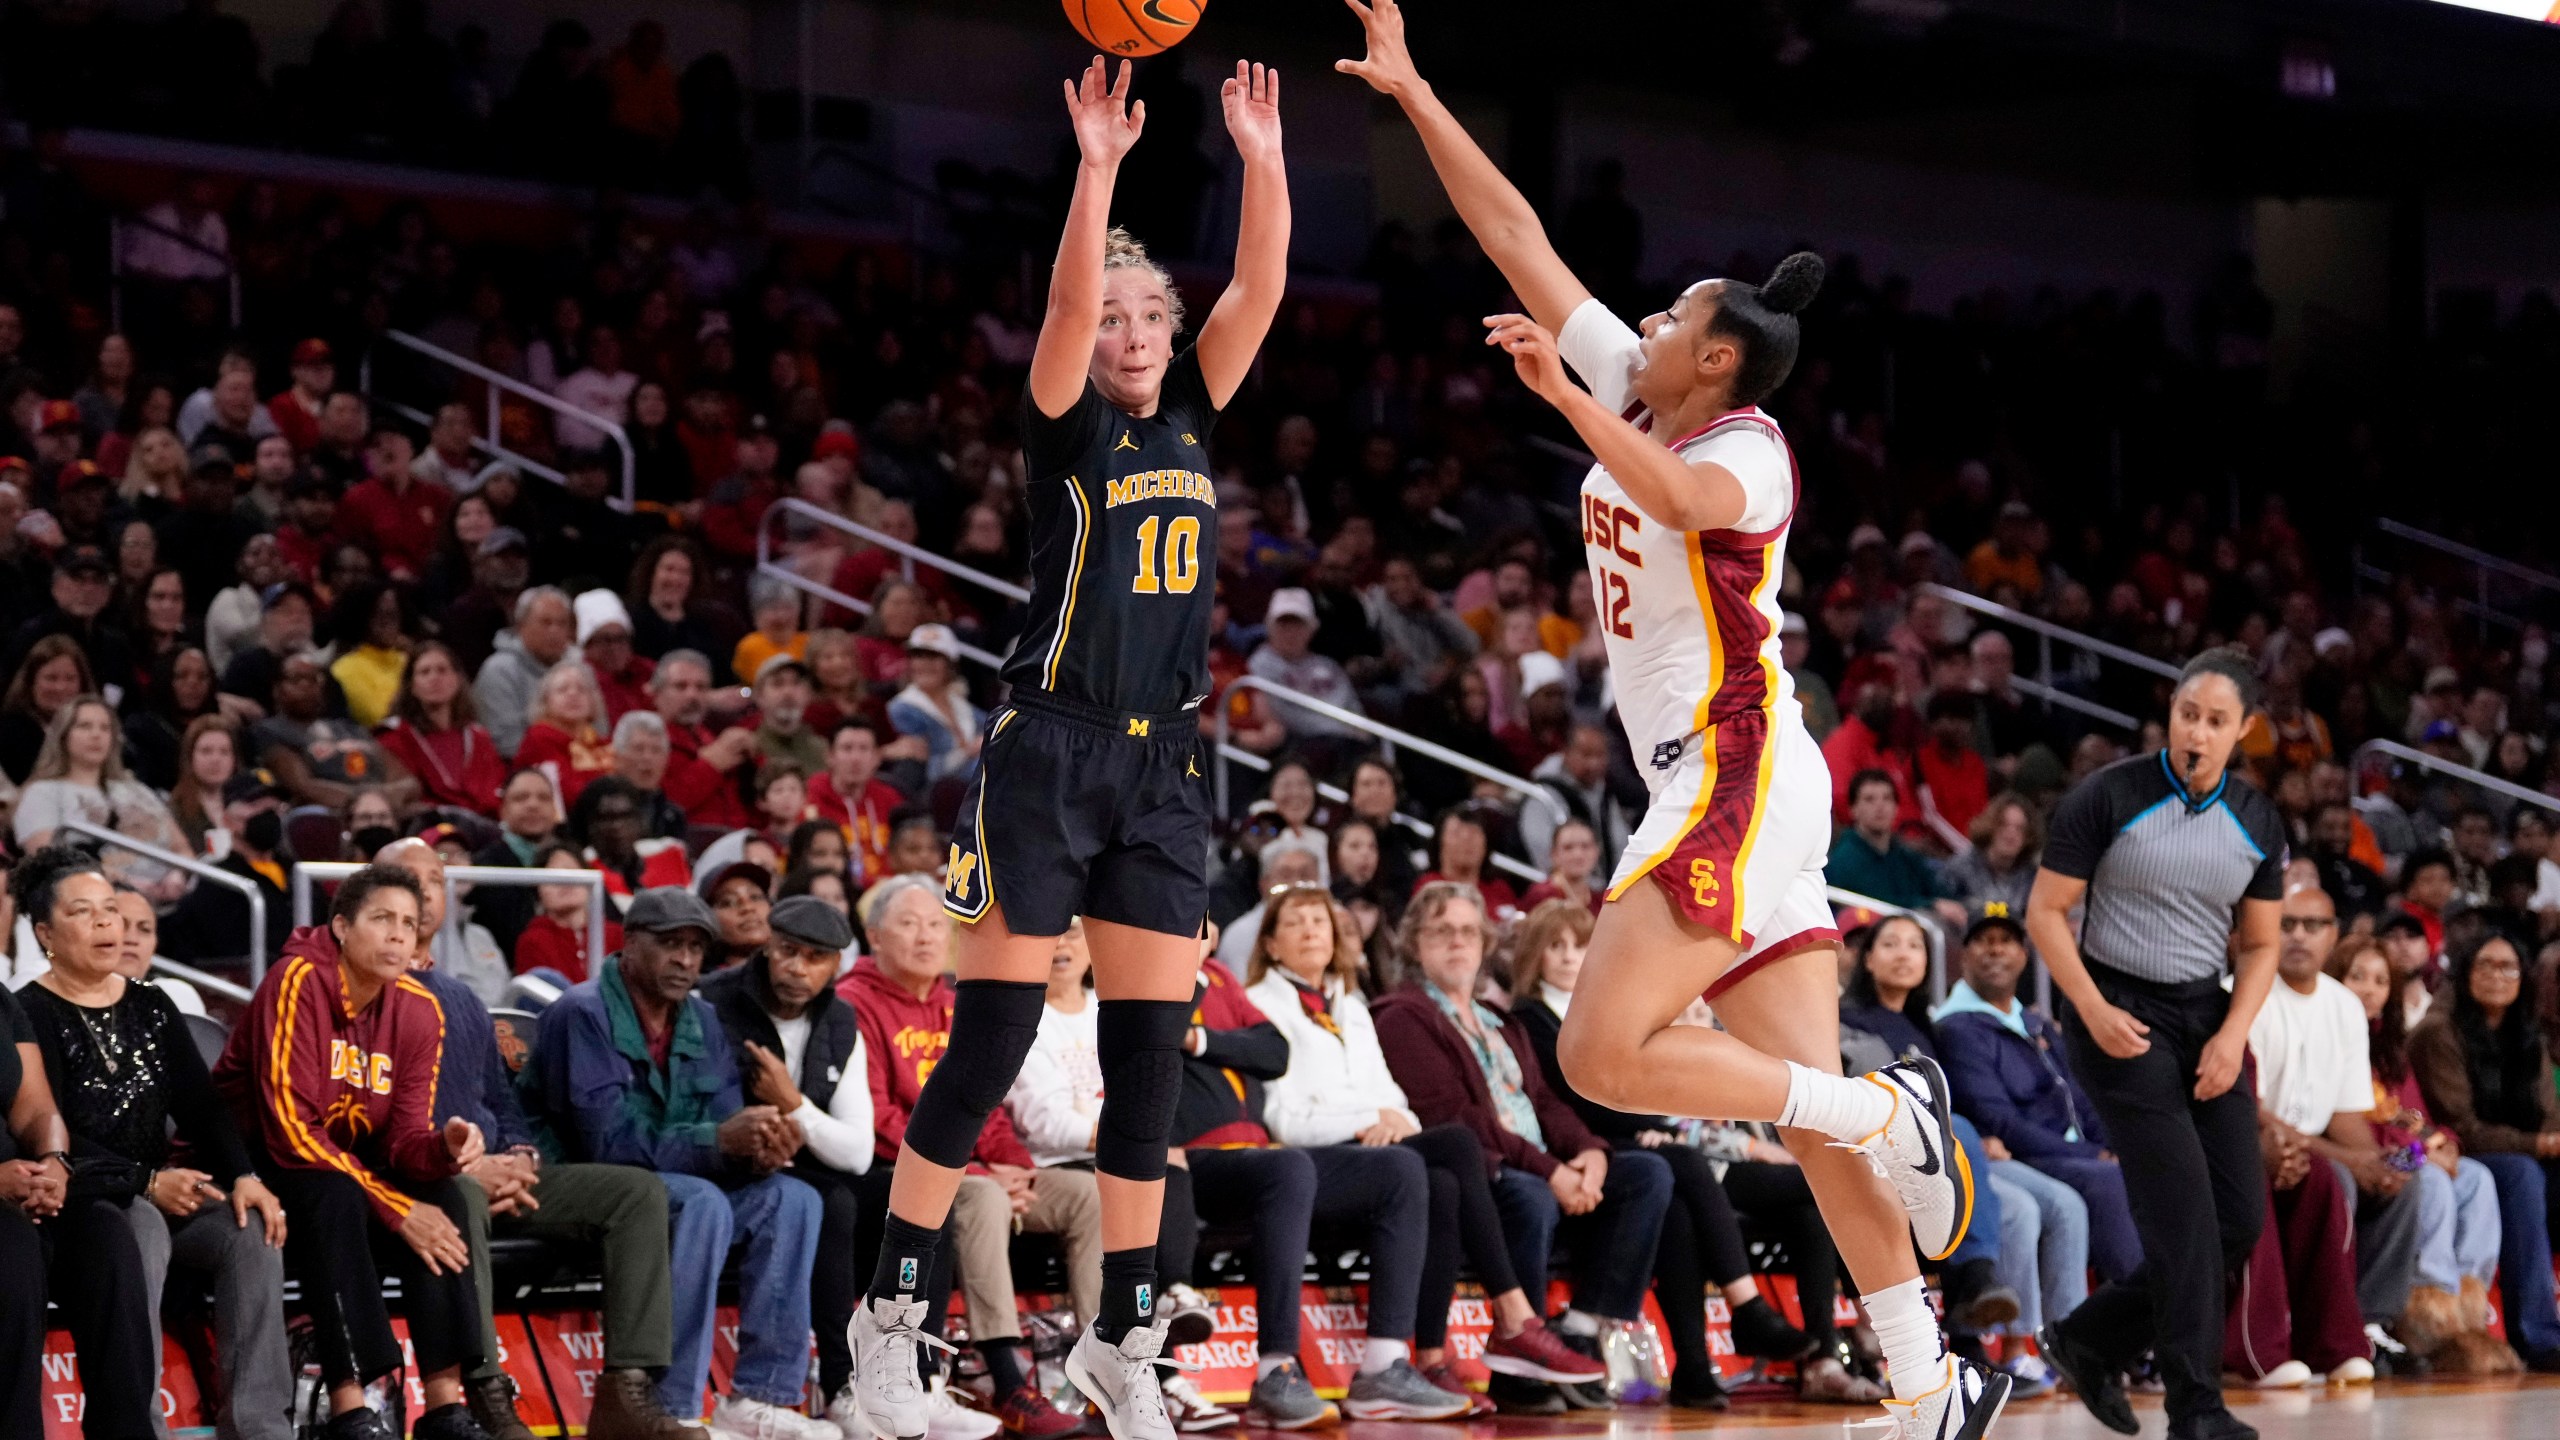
column 661, row 367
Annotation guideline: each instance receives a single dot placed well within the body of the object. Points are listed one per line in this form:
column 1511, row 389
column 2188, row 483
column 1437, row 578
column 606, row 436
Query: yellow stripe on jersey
column 1075, row 578
column 1715, row 639
column 1768, row 743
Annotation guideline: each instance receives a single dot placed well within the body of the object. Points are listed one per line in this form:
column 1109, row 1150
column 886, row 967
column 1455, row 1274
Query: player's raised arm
column 1503, row 222
column 1106, row 126
column 1236, row 326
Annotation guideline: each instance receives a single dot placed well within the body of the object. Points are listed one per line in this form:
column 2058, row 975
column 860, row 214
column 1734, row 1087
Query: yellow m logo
column 1138, row 729
column 963, row 865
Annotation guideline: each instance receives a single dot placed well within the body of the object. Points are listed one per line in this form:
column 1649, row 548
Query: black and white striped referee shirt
column 2166, row 870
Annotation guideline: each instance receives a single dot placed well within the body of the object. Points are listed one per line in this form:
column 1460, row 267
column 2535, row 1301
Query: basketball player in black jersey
column 1090, row 798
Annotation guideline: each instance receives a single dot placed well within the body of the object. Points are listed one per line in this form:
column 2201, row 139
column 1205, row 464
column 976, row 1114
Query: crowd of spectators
column 255, row 618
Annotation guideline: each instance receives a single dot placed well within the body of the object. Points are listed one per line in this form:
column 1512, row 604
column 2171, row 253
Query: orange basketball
column 1134, row 27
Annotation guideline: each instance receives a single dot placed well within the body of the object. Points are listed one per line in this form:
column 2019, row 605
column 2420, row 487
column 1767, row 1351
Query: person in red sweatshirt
column 296, row 411
column 851, row 793
column 902, row 997
column 332, row 1075
column 702, row 768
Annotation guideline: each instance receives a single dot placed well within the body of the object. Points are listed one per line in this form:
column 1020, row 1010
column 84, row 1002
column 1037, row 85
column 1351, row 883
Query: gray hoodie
column 505, row 691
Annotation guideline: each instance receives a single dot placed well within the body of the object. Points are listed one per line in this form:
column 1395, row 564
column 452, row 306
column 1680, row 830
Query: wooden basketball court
column 2394, row 1410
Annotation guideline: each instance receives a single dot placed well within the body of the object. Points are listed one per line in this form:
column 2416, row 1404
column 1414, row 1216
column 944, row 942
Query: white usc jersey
column 1692, row 618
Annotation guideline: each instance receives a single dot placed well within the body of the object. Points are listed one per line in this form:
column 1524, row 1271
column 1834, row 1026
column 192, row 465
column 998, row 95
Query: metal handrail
column 2047, row 633
column 2480, row 778
column 2054, row 695
column 502, row 876
column 1389, row 737
column 115, row 264
column 909, row 557
column 239, row 994
column 525, row 463
column 2483, row 566
column 247, row 887
column 498, row 381
column 2468, row 553
column 2049, row 630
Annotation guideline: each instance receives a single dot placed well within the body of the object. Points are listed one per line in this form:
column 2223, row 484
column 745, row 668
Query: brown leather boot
column 627, row 1408
column 493, row 1408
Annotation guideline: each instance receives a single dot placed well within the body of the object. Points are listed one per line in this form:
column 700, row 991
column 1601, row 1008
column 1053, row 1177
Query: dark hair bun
column 33, row 881
column 1791, row 286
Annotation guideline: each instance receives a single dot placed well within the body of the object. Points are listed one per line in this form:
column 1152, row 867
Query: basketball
column 1134, row 27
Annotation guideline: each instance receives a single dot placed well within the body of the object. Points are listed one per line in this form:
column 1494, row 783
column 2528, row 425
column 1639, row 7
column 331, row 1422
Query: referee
column 2180, row 867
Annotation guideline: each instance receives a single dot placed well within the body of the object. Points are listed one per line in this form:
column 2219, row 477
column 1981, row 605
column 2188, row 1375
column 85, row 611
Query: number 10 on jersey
column 1181, row 573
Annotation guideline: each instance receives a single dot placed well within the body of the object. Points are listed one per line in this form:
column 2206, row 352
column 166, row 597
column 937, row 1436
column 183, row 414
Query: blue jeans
column 2114, row 1245
column 2457, row 1225
column 1982, row 1233
column 1613, row 1245
column 2524, row 1250
column 776, row 1219
column 2049, row 1263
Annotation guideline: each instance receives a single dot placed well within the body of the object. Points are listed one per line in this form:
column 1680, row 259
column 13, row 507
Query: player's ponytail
column 1762, row 320
column 1120, row 248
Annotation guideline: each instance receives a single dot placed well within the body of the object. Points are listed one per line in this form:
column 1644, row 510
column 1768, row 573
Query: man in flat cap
column 632, row 1068
column 800, row 1052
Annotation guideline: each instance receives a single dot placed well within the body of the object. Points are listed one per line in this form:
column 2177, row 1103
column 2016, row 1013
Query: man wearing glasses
column 2333, row 1189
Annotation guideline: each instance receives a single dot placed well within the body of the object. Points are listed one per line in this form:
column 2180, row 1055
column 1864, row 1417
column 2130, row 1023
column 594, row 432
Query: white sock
column 1268, row 1363
column 1840, row 1107
column 1580, row 1324
column 1377, row 1354
column 1915, row 1359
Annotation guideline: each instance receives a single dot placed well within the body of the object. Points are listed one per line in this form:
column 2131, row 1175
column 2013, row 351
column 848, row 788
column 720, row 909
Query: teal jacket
column 595, row 1094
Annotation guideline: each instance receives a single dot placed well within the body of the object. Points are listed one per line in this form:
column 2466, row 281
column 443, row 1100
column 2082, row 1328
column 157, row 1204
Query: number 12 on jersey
column 1606, row 526
column 1181, row 556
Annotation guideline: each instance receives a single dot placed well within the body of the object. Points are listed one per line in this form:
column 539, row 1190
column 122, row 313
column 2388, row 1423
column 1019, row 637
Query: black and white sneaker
column 1189, row 1317
column 1916, row 1153
column 1963, row 1407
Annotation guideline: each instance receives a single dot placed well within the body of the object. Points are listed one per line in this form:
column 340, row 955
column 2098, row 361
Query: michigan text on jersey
column 1161, row 485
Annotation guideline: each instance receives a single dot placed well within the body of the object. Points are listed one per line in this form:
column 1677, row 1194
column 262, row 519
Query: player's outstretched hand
column 1106, row 123
column 1252, row 103
column 1533, row 351
column 1388, row 67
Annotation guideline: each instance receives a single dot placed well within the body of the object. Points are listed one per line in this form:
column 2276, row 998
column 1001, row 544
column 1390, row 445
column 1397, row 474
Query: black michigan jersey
column 1124, row 533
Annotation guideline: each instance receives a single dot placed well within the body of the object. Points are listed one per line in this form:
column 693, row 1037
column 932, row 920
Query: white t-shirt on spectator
column 2314, row 1055
column 1311, row 674
column 597, row 393
column 1057, row 1098
column 2546, row 890
column 196, row 412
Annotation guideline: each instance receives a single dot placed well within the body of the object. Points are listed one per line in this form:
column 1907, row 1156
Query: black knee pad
column 1141, row 1050
column 993, row 1023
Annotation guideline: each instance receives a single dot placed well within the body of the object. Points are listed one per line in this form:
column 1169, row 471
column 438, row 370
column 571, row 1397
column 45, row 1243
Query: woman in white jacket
column 1337, row 1091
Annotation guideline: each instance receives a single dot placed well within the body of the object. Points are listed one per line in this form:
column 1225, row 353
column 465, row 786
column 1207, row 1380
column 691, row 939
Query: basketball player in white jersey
column 1684, row 520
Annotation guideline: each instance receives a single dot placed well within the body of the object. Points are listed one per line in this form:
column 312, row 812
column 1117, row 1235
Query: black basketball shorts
column 1077, row 811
